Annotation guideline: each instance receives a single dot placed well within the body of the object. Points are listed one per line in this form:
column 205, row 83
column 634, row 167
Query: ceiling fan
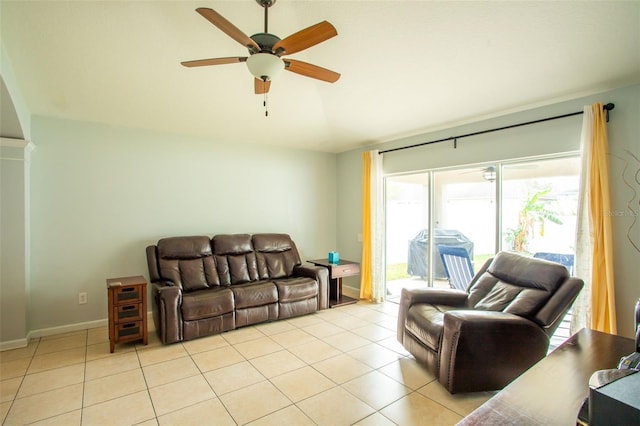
column 266, row 50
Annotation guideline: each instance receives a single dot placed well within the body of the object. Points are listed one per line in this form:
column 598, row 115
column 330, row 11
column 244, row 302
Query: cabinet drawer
column 127, row 313
column 129, row 330
column 127, row 294
column 347, row 270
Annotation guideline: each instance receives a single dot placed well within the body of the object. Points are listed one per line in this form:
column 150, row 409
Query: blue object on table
column 334, row 257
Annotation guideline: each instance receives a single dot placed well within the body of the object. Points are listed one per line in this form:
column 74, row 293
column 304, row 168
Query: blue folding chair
column 457, row 266
column 565, row 260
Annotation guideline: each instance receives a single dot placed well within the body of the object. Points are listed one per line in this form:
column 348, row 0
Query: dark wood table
column 343, row 268
column 553, row 390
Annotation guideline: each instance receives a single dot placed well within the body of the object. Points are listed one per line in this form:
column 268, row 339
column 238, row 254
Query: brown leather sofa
column 202, row 286
column 483, row 338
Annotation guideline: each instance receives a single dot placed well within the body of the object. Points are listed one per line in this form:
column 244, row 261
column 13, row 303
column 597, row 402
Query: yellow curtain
column 603, row 309
column 366, row 263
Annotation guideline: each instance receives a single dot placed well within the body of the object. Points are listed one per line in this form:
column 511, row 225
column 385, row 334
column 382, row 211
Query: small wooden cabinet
column 127, row 310
column 344, row 268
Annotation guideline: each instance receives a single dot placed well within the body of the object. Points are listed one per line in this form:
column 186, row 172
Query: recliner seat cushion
column 295, row 289
column 206, row 303
column 254, row 294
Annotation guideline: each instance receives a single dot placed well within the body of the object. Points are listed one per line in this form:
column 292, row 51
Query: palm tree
column 534, row 210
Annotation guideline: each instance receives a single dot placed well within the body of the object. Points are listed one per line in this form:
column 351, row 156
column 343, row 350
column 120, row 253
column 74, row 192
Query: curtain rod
column 608, row 107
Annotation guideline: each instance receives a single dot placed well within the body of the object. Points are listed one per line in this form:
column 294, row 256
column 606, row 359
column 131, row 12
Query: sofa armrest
column 167, row 301
column 321, row 275
column 485, row 350
column 435, row 296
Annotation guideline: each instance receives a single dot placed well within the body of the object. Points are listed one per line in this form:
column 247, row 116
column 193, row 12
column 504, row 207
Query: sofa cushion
column 235, row 259
column 187, row 262
column 254, row 294
column 206, row 303
column 276, row 255
column 294, row 289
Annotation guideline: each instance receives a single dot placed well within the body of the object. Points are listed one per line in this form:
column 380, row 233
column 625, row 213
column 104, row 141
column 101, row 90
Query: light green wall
column 101, row 194
column 550, row 137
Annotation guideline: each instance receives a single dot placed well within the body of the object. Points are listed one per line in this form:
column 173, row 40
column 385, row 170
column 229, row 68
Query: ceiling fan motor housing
column 266, row 41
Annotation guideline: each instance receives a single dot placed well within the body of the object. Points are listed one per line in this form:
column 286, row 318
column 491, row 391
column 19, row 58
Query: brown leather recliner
column 203, row 286
column 483, row 338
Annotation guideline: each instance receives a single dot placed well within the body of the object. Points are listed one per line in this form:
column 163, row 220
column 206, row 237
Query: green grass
column 398, row 271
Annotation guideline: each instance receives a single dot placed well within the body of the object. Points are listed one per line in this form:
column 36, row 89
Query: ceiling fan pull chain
column 264, row 103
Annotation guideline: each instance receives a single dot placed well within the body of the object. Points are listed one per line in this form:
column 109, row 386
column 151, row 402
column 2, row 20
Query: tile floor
column 336, row 367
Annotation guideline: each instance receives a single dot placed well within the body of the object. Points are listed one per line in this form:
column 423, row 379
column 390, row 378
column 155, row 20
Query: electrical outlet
column 82, row 298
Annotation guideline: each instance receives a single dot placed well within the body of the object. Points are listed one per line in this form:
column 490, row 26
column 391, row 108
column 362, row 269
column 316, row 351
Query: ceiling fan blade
column 304, row 39
column 310, row 70
column 214, row 61
column 228, row 28
column 261, row 86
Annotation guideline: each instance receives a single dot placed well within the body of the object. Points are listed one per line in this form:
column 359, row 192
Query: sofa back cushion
column 187, row 262
column 235, row 259
column 276, row 255
column 516, row 284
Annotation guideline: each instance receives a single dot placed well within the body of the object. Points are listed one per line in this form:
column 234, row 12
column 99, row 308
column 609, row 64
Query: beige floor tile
column 346, row 341
column 288, row 416
column 117, row 363
column 393, row 344
column 217, row 358
column 257, row 347
column 61, row 335
column 332, row 315
column 302, row 383
column 269, row 400
column 150, row 422
column 389, row 322
column 49, row 404
column 9, row 389
column 373, row 332
column 408, row 372
column 323, row 329
column 153, row 340
column 14, row 368
column 376, row 389
column 373, row 316
column 103, row 350
column 126, row 410
column 72, row 418
column 97, row 335
column 388, row 308
column 277, row 363
column 205, row 344
column 51, row 379
column 342, row 368
column 57, row 360
column 415, row 409
column 275, row 327
column 314, row 351
column 209, row 412
column 61, row 344
column 304, row 320
column 4, row 409
column 374, row 355
column 231, row 378
column 291, row 338
column 348, row 322
column 161, row 353
column 112, row 387
column 376, row 419
column 335, row 407
column 170, row 371
column 463, row 403
column 180, row 394
column 19, row 353
column 243, row 334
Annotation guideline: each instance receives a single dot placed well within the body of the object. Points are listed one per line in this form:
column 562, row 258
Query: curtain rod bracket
column 608, row 107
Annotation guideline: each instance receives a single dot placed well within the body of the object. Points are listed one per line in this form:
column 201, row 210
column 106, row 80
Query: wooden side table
column 127, row 310
column 344, row 268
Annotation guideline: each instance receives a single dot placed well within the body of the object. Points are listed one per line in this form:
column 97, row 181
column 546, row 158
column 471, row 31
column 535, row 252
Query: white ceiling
column 407, row 66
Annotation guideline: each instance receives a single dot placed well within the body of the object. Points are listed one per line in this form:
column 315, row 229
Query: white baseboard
column 13, row 344
column 44, row 332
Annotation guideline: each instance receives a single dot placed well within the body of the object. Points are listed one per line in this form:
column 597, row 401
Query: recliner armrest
column 321, row 275
column 435, row 296
column 168, row 299
column 487, row 350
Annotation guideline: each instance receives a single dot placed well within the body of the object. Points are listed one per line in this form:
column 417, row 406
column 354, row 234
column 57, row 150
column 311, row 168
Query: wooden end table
column 344, row 268
column 127, row 310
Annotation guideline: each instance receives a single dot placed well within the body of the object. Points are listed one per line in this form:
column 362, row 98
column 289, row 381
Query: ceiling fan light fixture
column 265, row 66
